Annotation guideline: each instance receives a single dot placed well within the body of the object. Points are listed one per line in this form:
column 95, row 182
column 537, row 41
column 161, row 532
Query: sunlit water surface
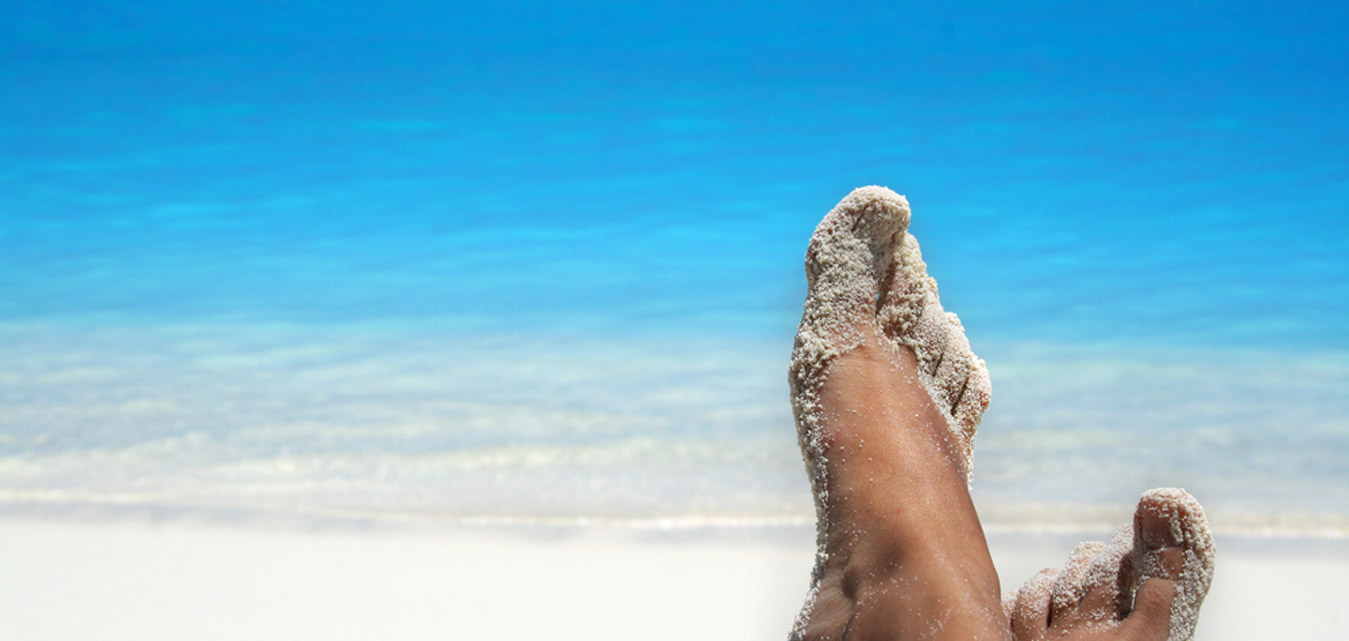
column 455, row 265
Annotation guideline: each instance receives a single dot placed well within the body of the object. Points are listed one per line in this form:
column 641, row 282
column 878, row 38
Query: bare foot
column 887, row 395
column 1145, row 585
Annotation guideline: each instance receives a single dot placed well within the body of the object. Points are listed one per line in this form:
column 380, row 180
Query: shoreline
column 113, row 579
column 1038, row 519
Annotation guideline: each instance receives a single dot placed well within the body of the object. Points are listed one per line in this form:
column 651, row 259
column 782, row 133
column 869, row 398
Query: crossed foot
column 887, row 395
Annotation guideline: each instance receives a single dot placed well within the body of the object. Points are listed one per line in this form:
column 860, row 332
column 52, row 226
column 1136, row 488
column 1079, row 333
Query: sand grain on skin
column 867, row 278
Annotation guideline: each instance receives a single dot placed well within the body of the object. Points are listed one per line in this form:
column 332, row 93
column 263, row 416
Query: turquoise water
column 544, row 262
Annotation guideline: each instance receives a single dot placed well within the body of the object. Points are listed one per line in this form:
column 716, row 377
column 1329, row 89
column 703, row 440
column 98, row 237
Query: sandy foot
column 877, row 356
column 1146, row 583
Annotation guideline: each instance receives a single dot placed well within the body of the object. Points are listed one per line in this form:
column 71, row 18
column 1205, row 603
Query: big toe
column 1174, row 557
column 845, row 264
column 856, row 236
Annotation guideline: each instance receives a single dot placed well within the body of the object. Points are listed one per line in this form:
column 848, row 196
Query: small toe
column 906, row 287
column 1099, row 604
column 930, row 335
column 1074, row 579
column 974, row 398
column 957, row 364
column 1009, row 604
column 1114, row 573
column 1030, row 620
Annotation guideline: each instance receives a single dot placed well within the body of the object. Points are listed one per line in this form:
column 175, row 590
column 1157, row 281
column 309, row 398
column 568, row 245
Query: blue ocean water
column 542, row 260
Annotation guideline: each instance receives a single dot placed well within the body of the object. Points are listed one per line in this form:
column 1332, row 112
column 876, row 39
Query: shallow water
column 497, row 263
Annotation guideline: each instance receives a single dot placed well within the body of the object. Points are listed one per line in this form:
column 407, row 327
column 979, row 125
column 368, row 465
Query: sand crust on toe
column 1126, row 561
column 1078, row 575
column 1190, row 528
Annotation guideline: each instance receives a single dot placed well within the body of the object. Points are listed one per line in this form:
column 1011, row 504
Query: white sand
column 99, row 580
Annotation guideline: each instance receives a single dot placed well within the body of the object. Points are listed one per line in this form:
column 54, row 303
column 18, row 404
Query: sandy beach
column 62, row 579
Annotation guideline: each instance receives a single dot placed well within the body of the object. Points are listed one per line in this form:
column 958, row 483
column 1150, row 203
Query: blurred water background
column 541, row 261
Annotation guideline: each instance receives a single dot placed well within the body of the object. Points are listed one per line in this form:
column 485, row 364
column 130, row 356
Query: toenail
column 1161, row 528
